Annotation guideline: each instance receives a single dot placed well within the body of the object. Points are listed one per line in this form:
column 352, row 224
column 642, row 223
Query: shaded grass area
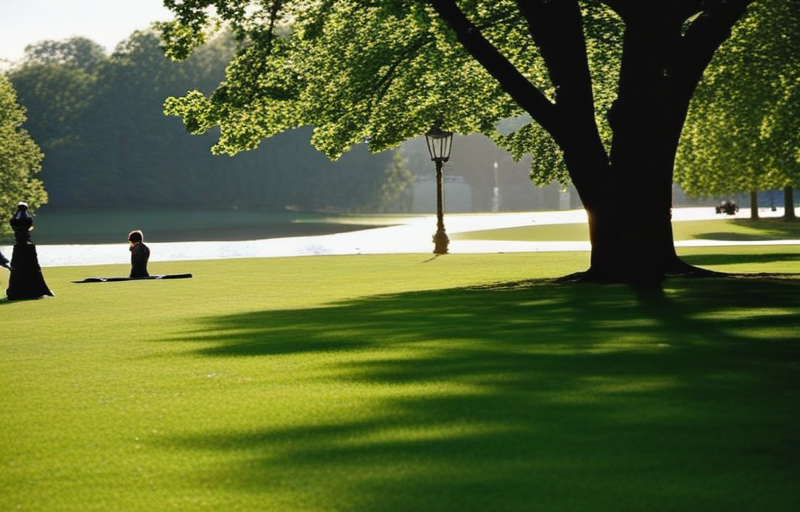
column 722, row 229
column 387, row 383
column 536, row 394
column 160, row 225
column 729, row 259
column 747, row 229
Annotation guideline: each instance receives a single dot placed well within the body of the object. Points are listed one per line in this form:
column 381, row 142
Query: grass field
column 718, row 229
column 403, row 383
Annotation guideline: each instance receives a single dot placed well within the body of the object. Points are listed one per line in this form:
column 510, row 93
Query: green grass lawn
column 719, row 229
column 403, row 383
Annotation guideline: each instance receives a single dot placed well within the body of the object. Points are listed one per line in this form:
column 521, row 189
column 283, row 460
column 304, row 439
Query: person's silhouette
column 140, row 254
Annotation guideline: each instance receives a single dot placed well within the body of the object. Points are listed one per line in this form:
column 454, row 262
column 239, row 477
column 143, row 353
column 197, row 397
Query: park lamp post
column 439, row 145
column 26, row 280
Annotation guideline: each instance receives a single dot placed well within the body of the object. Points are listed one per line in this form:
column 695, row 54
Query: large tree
column 743, row 131
column 389, row 70
column 19, row 158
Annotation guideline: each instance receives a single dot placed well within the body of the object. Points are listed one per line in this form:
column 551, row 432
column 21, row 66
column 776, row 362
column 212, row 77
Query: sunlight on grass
column 722, row 229
column 754, row 313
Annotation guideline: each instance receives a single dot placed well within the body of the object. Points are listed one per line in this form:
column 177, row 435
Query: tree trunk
column 631, row 244
column 631, row 224
column 631, row 234
column 662, row 62
column 788, row 203
column 627, row 192
column 754, row 204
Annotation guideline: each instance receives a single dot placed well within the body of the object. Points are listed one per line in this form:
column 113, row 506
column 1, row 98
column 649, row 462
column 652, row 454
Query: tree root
column 687, row 271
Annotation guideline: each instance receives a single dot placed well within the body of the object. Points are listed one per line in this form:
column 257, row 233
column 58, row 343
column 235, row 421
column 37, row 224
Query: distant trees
column 55, row 84
column 396, row 192
column 19, row 158
column 743, row 131
column 107, row 142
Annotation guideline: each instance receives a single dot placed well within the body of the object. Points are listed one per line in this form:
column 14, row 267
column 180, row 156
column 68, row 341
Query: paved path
column 414, row 236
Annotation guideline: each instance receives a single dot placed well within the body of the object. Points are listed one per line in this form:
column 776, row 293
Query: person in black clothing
column 140, row 253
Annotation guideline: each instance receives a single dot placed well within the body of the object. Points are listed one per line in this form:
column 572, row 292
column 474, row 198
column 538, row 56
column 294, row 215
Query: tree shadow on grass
column 732, row 259
column 533, row 396
column 764, row 229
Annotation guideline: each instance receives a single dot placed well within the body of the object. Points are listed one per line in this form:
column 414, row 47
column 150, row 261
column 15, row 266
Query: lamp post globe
column 439, row 145
column 22, row 224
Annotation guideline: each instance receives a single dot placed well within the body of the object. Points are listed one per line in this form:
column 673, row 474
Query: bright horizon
column 106, row 22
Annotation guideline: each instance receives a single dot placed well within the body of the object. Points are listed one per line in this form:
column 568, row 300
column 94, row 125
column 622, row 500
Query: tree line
column 99, row 121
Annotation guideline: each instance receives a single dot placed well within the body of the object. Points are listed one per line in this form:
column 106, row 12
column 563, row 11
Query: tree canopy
column 743, row 132
column 606, row 82
column 378, row 71
column 20, row 158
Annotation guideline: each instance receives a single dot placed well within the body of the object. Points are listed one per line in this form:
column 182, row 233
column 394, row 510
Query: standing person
column 140, row 253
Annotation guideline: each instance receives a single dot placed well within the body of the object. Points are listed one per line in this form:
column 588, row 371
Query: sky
column 107, row 22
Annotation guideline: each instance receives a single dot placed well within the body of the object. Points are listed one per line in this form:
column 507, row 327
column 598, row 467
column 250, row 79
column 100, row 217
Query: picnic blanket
column 125, row 278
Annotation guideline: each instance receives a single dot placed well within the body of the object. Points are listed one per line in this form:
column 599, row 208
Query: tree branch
column 524, row 93
column 684, row 8
column 698, row 45
column 557, row 29
column 384, row 81
column 621, row 7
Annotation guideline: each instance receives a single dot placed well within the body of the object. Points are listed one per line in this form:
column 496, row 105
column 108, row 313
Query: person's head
column 135, row 237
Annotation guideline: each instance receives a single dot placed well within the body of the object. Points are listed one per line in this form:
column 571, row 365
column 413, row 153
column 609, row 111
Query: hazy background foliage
column 99, row 120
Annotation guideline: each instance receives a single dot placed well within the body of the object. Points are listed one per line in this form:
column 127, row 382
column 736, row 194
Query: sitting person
column 140, row 253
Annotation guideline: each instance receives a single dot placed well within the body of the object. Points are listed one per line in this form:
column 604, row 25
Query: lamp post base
column 440, row 243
